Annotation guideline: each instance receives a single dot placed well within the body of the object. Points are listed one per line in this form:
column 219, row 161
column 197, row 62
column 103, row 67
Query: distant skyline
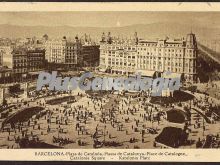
column 108, row 19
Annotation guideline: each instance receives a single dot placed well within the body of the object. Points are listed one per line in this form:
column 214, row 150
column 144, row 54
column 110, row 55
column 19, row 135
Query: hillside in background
column 149, row 31
column 207, row 67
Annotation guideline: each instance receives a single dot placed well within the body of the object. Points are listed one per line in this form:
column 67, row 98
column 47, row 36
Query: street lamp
column 203, row 127
column 104, row 132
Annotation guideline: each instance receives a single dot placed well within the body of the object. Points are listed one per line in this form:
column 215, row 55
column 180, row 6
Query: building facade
column 20, row 62
column 68, row 53
column 117, row 55
column 129, row 56
column 73, row 53
column 6, row 56
column 55, row 51
column 35, row 60
column 91, row 55
column 5, row 75
column 64, row 52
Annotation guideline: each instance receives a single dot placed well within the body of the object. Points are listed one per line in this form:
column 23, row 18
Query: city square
column 107, row 119
column 43, row 104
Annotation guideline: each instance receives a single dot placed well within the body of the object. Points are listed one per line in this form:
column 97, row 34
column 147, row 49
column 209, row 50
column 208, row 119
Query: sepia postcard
column 110, row 81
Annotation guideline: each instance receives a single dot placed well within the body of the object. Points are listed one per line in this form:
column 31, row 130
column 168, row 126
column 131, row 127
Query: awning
column 33, row 73
column 172, row 75
column 102, row 70
column 147, row 73
column 70, row 73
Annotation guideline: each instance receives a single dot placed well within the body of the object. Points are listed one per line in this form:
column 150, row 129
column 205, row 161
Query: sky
column 108, row 19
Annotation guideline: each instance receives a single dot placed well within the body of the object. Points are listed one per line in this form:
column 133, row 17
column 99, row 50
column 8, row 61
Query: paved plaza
column 104, row 119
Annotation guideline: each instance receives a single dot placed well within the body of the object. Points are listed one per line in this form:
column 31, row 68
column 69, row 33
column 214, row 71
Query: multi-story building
column 5, row 75
column 22, row 61
column 118, row 55
column 55, row 51
column 5, row 63
column 35, row 60
column 129, row 56
column 6, row 56
column 64, row 52
column 90, row 51
column 90, row 55
column 73, row 53
column 19, row 61
column 80, row 52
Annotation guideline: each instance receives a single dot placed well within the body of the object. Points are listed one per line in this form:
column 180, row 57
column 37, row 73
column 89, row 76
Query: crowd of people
column 105, row 119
